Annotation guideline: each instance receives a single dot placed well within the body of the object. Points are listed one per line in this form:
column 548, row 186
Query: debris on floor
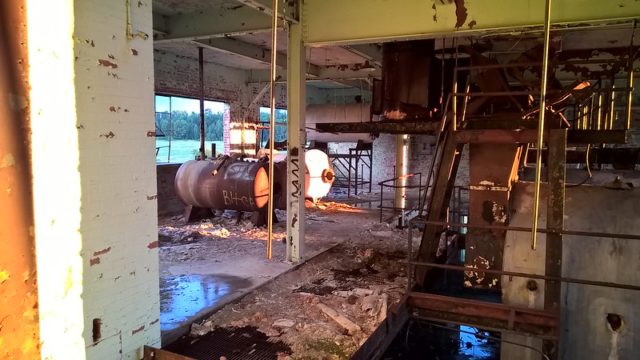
column 329, row 306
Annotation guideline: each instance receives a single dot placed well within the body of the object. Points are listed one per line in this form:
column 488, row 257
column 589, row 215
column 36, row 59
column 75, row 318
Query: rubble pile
column 329, row 306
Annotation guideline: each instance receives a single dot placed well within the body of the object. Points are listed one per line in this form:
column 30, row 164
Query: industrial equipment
column 234, row 183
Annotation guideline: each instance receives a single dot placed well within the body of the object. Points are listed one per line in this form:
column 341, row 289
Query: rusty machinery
column 240, row 184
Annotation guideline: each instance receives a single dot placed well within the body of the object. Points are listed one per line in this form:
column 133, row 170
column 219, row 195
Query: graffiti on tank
column 233, row 198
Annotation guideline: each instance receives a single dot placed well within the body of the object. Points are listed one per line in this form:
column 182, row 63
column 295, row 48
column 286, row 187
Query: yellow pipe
column 272, row 127
column 629, row 95
column 543, row 94
column 612, row 110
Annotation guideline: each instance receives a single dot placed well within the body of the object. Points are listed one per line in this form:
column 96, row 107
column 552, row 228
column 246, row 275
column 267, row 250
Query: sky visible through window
column 163, row 103
column 178, row 128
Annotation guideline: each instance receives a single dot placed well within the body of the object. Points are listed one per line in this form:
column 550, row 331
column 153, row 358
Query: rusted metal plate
column 492, row 169
column 381, row 127
column 405, row 78
column 484, row 314
column 151, row 353
column 524, row 136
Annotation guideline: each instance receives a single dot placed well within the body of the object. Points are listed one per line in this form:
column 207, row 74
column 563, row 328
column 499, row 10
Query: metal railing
column 385, row 184
column 412, row 264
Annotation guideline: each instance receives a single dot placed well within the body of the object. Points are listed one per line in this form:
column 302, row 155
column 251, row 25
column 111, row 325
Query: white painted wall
column 94, row 178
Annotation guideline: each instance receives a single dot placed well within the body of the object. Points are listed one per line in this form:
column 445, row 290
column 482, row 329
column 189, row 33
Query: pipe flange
column 328, row 176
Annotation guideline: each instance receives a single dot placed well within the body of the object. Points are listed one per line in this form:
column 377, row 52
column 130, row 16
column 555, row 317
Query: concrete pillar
column 296, row 137
column 402, row 148
column 94, row 187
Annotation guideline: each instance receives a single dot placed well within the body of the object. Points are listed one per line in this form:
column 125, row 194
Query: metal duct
column 315, row 114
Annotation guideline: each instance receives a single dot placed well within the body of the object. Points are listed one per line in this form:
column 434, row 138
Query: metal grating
column 245, row 343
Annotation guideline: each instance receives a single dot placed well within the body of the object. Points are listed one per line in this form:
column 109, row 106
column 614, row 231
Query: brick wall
column 168, row 202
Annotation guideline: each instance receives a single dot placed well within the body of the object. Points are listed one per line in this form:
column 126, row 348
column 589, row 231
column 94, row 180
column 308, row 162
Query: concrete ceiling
column 236, row 33
column 212, row 55
column 177, row 7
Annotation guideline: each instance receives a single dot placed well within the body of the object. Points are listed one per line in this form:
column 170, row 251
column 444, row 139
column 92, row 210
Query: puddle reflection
column 185, row 296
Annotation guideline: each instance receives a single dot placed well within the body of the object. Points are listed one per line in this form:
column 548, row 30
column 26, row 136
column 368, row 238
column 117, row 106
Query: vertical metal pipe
column 599, row 115
column 543, row 94
column 272, row 125
column 630, row 77
column 612, row 104
column 170, row 129
column 454, row 99
column 629, row 94
column 201, row 71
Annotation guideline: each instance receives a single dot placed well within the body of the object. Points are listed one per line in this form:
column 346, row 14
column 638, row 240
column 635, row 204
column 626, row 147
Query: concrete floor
column 203, row 268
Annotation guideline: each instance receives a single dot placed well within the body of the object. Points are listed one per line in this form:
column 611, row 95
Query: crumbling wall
column 168, row 201
column 585, row 332
column 179, row 75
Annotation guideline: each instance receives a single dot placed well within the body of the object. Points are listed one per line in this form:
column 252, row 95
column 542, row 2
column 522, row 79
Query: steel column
column 296, row 139
column 367, row 21
column 201, row 77
column 556, row 176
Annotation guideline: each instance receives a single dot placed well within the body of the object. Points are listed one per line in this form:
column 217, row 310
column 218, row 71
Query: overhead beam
column 340, row 22
column 380, row 127
column 159, row 24
column 319, row 73
column 247, row 50
column 212, row 23
column 371, row 52
column 526, row 136
column 353, row 71
column 286, row 12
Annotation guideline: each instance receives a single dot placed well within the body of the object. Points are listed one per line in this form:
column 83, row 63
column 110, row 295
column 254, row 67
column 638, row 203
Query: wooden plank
column 485, row 314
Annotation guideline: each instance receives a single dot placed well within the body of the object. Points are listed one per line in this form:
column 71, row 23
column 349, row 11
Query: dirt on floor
column 327, row 307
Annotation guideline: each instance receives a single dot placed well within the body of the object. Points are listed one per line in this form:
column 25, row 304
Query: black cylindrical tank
column 223, row 183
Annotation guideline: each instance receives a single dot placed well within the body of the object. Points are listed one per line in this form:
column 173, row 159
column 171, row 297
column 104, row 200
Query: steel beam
column 284, row 12
column 525, row 136
column 160, row 24
column 250, row 51
column 619, row 157
column 380, row 127
column 365, row 21
column 371, row 52
column 215, row 22
column 484, row 314
column 320, row 73
column 296, row 65
column 556, row 175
